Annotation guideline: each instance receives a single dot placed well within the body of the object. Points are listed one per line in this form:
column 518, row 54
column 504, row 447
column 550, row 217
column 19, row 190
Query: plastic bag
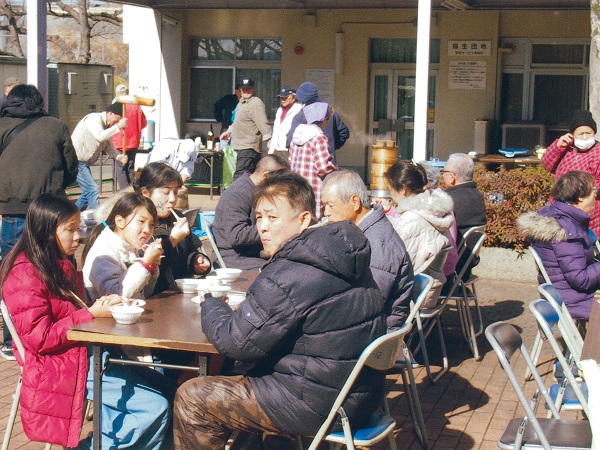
column 229, row 164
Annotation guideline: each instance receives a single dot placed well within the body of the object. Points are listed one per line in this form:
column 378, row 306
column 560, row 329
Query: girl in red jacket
column 43, row 292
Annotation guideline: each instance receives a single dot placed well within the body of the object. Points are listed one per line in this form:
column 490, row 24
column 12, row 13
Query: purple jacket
column 559, row 233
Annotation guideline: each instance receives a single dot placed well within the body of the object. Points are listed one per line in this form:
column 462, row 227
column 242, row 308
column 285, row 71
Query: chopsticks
column 175, row 214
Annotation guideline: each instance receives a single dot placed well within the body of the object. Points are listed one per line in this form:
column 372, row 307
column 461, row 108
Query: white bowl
column 234, row 300
column 187, row 285
column 219, row 291
column 126, row 314
column 134, row 302
column 202, row 287
column 228, row 275
column 213, row 279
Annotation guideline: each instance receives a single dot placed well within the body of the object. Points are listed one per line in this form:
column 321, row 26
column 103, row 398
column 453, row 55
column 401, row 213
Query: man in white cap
column 249, row 128
column 136, row 120
column 283, row 120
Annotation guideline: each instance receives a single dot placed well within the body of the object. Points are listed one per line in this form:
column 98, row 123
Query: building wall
column 456, row 109
column 78, row 89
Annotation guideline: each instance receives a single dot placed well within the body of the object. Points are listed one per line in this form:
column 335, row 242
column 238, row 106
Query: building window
column 401, row 51
column 217, row 65
column 544, row 82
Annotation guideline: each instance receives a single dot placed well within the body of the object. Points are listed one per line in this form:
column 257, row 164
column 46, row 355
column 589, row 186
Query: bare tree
column 71, row 47
column 594, row 75
column 86, row 19
column 14, row 25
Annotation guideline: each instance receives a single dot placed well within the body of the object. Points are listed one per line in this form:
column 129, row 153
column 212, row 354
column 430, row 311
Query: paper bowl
column 228, row 275
column 202, row 287
column 126, row 315
column 187, row 285
column 219, row 291
column 234, row 300
column 213, row 279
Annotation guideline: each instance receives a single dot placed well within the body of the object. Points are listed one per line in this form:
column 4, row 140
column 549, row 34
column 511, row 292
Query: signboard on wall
column 467, row 75
column 324, row 80
column 469, row 48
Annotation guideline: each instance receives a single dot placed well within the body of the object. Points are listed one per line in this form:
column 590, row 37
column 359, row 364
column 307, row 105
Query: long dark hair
column 126, row 205
column 156, row 175
column 406, row 174
column 41, row 247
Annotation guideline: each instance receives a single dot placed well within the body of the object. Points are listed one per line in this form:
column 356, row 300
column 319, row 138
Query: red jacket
column 136, row 120
column 55, row 369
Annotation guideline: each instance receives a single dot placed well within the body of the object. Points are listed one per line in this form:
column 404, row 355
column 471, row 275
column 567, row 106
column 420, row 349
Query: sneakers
column 7, row 353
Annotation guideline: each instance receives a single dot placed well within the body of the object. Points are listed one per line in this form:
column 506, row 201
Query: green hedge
column 508, row 193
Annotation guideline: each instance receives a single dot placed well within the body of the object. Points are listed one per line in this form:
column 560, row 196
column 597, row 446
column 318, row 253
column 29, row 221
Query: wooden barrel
column 378, row 182
column 383, row 157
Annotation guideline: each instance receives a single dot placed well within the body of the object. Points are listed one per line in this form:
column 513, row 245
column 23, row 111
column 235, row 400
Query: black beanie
column 115, row 108
column 582, row 118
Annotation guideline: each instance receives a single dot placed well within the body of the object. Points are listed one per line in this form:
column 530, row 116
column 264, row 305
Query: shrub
column 508, row 193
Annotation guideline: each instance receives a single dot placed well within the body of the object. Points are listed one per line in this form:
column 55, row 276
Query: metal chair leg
column 13, row 414
column 412, row 397
column 536, row 350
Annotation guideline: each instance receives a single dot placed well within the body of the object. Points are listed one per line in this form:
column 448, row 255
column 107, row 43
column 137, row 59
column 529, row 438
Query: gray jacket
column 234, row 226
column 390, row 265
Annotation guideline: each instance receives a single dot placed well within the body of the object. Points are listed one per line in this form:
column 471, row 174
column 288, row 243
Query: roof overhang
column 472, row 5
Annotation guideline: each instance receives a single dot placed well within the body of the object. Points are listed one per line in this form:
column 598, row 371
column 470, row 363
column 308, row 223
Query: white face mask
column 584, row 144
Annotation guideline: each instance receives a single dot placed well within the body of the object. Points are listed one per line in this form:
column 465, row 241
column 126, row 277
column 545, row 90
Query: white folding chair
column 421, row 286
column 381, row 354
column 211, row 239
column 538, row 342
column 17, row 396
column 566, row 324
column 425, row 321
column 539, row 264
column 463, row 291
column 570, row 393
column 533, row 432
column 467, row 233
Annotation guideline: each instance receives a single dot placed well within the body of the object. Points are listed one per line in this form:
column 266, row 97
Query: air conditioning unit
column 523, row 135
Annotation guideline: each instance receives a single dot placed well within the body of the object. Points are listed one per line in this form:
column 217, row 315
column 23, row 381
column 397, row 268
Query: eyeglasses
column 446, row 171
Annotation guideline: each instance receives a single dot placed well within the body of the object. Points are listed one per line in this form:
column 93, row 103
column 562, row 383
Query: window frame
column 234, row 64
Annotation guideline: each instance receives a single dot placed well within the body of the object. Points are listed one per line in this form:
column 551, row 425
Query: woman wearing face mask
column 577, row 150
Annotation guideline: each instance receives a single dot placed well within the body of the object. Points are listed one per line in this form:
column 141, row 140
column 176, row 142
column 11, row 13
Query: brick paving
column 468, row 407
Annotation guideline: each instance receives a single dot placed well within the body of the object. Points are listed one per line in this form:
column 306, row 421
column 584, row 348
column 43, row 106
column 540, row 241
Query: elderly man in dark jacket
column 234, row 226
column 345, row 197
column 38, row 157
column 305, row 321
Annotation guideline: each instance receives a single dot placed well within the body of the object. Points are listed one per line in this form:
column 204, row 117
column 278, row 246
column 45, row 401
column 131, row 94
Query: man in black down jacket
column 305, row 321
column 39, row 159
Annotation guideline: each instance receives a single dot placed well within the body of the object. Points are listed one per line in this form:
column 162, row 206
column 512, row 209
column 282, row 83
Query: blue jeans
column 12, row 228
column 136, row 413
column 90, row 194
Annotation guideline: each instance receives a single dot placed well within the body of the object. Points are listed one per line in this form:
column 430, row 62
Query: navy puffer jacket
column 559, row 234
column 305, row 321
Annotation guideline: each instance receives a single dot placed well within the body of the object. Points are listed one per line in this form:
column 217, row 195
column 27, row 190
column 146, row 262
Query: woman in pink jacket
column 43, row 292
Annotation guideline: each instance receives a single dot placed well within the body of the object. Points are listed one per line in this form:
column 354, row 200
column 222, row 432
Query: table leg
column 97, row 358
column 202, row 365
column 212, row 171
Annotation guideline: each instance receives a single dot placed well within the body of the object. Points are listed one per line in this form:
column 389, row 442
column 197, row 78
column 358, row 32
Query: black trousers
column 247, row 159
